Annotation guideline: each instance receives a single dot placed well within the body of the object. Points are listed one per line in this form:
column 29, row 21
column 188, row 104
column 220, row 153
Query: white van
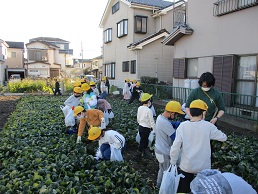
column 15, row 77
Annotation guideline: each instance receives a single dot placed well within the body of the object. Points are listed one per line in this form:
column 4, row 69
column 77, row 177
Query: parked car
column 15, row 77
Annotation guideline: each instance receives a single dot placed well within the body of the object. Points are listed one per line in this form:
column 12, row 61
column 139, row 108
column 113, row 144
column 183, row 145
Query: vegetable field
column 38, row 156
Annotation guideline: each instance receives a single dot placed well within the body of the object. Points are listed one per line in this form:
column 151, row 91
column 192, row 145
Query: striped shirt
column 113, row 138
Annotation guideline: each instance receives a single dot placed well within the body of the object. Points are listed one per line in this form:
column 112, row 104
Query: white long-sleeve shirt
column 72, row 101
column 145, row 117
column 193, row 139
column 113, row 138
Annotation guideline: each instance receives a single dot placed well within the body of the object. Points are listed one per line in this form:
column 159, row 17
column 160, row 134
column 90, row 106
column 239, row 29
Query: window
column 179, row 70
column 140, row 24
column 133, row 67
column 115, row 8
column 33, row 70
column 122, row 28
column 11, row 54
column 246, row 75
column 125, row 66
column 192, row 68
column 37, row 55
column 108, row 35
column 110, row 70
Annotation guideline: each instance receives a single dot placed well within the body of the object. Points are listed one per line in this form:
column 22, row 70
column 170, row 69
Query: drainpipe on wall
column 156, row 57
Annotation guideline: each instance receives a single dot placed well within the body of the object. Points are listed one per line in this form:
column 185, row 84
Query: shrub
column 149, row 80
column 29, row 85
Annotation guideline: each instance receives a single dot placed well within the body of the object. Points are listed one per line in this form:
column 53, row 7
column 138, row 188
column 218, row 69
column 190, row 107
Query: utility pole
column 82, row 53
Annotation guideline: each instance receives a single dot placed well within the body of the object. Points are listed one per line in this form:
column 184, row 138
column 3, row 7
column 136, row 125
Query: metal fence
column 237, row 105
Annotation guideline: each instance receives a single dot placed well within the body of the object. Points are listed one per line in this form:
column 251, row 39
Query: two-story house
column 3, row 60
column 96, row 67
column 223, row 40
column 48, row 57
column 133, row 31
column 15, row 59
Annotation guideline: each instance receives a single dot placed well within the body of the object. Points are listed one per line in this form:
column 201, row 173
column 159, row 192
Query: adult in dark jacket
column 57, row 88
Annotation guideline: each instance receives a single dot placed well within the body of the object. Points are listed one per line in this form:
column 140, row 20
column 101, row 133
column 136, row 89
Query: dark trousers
column 184, row 183
column 106, row 151
column 57, row 91
column 144, row 134
column 133, row 97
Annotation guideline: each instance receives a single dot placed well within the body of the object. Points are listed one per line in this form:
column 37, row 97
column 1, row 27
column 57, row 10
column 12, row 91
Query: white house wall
column 42, row 70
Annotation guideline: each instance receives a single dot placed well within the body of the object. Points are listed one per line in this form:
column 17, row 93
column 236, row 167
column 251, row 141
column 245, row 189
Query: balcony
column 223, row 7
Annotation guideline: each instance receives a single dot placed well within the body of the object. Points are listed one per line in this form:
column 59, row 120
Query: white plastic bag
column 116, row 154
column 108, row 115
column 138, row 137
column 65, row 109
column 69, row 119
column 111, row 115
column 151, row 138
column 98, row 153
column 170, row 180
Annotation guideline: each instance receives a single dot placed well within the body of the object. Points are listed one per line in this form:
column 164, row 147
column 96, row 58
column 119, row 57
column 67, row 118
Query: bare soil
column 7, row 106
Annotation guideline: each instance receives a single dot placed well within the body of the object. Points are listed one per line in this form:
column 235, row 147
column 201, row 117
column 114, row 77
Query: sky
column 76, row 21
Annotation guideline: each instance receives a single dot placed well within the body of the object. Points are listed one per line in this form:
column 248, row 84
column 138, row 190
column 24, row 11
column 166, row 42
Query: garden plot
column 37, row 156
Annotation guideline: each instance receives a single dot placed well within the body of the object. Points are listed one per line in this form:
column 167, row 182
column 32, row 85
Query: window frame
column 179, row 68
column 124, row 27
column 110, row 70
column 133, row 67
column 108, row 35
column 187, row 68
column 115, row 7
column 125, row 66
column 135, row 24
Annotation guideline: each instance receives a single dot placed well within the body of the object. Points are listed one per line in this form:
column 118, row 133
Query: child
column 126, row 90
column 89, row 99
column 89, row 117
column 72, row 102
column 103, row 88
column 93, row 87
column 165, row 135
column 193, row 141
column 109, row 141
column 146, row 124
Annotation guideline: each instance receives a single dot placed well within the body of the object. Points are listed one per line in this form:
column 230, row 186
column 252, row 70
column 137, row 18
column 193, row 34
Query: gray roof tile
column 156, row 3
column 15, row 44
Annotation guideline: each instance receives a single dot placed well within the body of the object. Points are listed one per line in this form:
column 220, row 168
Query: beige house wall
column 16, row 62
column 117, row 51
column 3, row 60
column 155, row 60
column 234, row 33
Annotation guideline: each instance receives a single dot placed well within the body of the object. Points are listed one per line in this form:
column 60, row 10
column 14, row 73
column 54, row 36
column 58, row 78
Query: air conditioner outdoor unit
column 44, row 58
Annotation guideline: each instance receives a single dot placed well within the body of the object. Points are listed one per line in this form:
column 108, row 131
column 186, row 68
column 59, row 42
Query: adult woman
column 211, row 96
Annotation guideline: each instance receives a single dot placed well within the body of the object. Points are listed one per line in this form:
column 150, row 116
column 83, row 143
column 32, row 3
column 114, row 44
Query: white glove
column 79, row 139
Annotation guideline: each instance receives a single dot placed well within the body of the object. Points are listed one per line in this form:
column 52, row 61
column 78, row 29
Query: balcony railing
column 179, row 14
column 223, row 7
column 237, row 105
